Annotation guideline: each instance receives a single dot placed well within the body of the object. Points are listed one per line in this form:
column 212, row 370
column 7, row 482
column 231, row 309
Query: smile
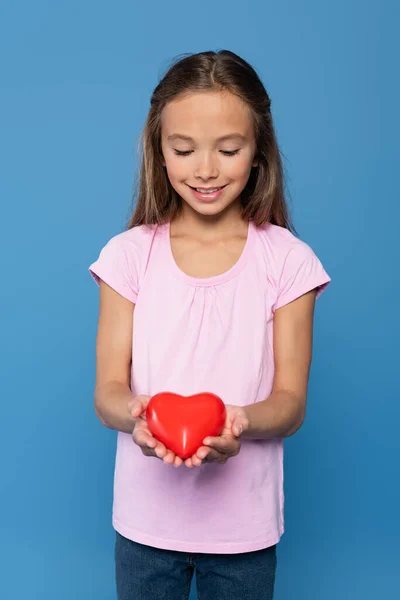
column 207, row 194
column 202, row 190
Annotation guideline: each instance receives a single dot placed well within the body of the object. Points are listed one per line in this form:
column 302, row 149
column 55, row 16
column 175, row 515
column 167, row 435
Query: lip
column 208, row 197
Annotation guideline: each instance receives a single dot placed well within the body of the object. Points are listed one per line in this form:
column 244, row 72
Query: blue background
column 75, row 84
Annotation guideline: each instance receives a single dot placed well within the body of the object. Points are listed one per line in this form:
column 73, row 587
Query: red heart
column 182, row 422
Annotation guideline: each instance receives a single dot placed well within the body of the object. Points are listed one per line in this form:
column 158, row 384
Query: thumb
column 238, row 426
column 137, row 405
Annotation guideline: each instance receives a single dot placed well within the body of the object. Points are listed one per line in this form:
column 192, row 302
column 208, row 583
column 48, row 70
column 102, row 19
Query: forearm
column 111, row 406
column 279, row 416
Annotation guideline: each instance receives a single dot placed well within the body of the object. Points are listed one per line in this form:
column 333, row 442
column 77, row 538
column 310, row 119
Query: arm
column 283, row 412
column 115, row 405
column 113, row 360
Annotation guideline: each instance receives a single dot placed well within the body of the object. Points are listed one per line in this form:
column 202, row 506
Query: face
column 209, row 147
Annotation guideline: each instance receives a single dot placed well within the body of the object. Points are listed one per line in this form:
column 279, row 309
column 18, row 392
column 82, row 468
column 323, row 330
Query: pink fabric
column 193, row 335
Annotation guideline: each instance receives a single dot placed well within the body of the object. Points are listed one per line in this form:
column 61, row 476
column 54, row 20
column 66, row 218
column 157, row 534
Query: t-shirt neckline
column 215, row 279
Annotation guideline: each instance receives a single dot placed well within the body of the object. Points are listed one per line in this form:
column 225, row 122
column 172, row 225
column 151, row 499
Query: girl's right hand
column 143, row 437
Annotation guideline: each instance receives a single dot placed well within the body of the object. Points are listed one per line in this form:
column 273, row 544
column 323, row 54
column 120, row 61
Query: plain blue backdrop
column 75, row 84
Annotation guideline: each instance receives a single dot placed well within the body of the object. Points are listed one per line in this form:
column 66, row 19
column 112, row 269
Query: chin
column 208, row 208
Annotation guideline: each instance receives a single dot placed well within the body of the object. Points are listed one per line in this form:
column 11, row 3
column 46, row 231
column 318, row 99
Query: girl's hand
column 143, row 437
column 227, row 444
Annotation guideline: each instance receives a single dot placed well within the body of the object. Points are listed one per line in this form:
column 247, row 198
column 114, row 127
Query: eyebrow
column 230, row 136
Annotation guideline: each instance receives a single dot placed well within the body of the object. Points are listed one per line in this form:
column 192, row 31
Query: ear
column 256, row 161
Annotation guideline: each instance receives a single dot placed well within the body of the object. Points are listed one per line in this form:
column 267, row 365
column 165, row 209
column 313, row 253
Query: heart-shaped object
column 182, row 422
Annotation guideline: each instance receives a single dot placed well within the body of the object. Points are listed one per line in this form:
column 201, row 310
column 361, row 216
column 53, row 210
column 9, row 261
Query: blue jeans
column 146, row 573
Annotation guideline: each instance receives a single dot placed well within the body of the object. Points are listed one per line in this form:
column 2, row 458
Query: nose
column 206, row 167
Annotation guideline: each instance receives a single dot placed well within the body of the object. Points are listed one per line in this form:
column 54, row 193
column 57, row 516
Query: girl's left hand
column 227, row 444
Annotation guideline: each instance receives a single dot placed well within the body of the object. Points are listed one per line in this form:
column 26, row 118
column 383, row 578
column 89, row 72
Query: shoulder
column 131, row 246
column 135, row 238
column 291, row 265
column 280, row 244
column 122, row 260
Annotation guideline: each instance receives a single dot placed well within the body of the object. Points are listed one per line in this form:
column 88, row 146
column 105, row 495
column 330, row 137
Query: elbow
column 100, row 415
column 295, row 428
column 298, row 419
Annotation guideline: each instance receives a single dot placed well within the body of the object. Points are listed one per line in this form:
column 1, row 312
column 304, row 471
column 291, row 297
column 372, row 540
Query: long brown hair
column 263, row 198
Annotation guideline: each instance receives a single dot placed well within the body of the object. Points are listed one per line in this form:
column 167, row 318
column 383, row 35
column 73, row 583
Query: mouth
column 209, row 190
column 209, row 194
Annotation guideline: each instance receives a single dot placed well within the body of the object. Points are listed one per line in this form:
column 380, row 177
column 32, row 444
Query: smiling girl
column 208, row 290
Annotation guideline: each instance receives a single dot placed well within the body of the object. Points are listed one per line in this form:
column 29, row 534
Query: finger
column 138, row 405
column 148, row 451
column 202, row 453
column 196, row 461
column 237, row 428
column 136, row 408
column 189, row 463
column 160, row 451
column 177, row 461
column 215, row 456
column 222, row 444
column 143, row 438
column 168, row 457
column 154, row 452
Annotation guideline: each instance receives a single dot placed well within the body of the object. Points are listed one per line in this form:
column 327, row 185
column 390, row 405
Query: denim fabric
column 146, row 573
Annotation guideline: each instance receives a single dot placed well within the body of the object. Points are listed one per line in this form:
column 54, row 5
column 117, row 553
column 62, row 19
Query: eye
column 224, row 152
column 230, row 152
column 182, row 152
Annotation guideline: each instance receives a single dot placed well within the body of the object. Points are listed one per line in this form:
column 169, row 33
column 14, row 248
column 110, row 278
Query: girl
column 207, row 290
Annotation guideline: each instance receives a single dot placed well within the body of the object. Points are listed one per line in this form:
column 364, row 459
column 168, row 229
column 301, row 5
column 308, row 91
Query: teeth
column 203, row 191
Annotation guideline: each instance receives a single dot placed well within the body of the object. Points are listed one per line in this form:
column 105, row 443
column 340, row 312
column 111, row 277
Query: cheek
column 238, row 169
column 176, row 169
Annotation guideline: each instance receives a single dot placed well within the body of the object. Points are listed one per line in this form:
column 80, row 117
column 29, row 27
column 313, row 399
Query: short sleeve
column 302, row 272
column 117, row 267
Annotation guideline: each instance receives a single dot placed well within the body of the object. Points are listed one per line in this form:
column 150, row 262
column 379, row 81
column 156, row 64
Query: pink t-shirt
column 193, row 335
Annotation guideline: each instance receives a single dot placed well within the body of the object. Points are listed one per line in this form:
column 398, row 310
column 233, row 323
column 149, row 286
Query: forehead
column 211, row 114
